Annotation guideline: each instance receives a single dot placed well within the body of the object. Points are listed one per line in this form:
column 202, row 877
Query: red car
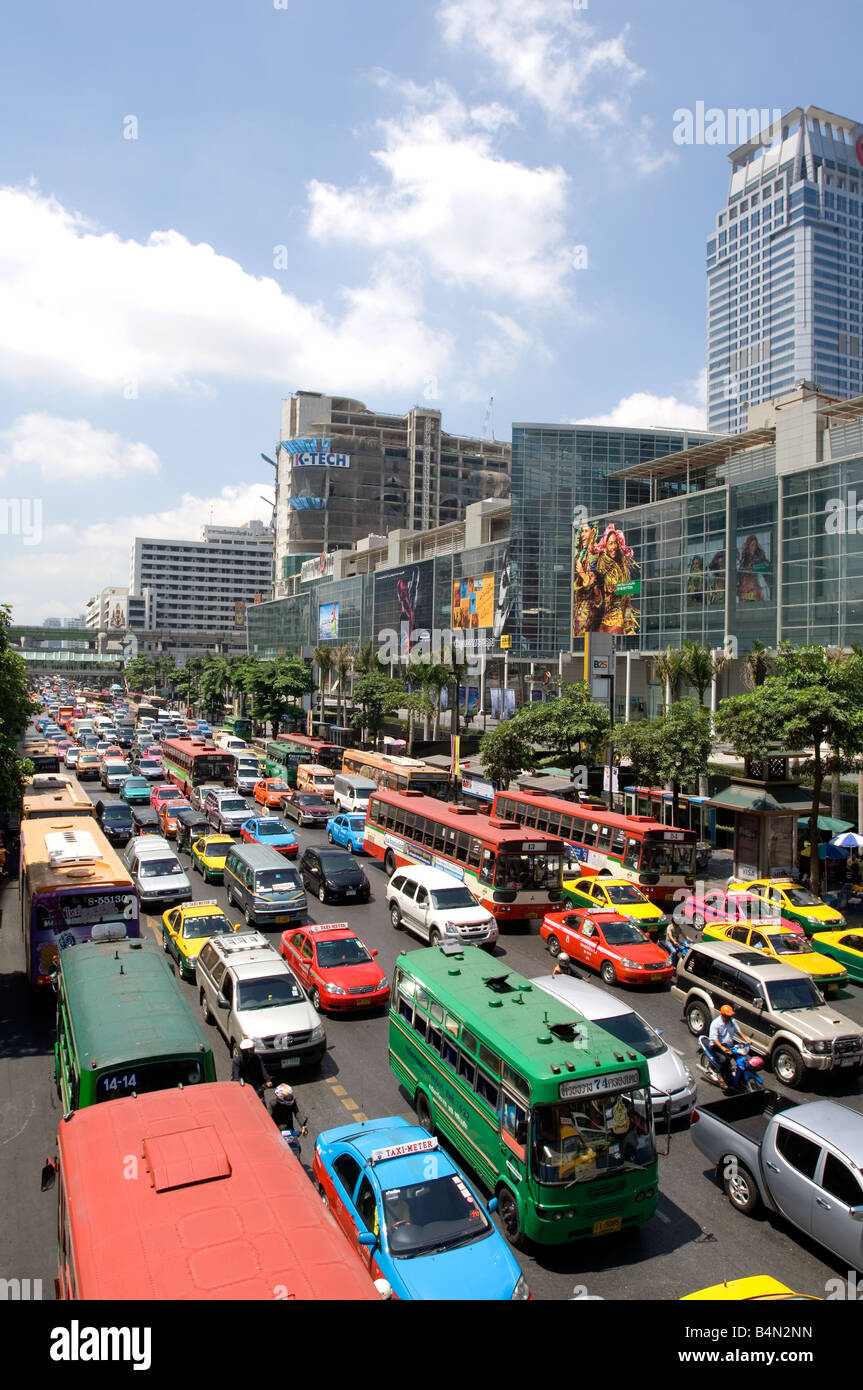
column 168, row 816
column 335, row 967
column 165, row 791
column 729, row 905
column 609, row 943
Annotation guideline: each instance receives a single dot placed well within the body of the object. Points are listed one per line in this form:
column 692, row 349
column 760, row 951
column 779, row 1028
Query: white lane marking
column 21, row 1128
column 678, row 1050
column 666, row 1220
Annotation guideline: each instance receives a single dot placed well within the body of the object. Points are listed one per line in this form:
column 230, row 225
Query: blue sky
column 441, row 200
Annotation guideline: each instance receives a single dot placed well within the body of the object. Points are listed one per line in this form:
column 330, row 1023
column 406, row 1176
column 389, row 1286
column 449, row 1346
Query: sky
column 205, row 207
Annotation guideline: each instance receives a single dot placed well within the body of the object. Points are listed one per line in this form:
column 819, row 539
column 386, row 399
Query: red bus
column 191, row 761
column 514, row 877
column 314, row 750
column 221, row 1208
column 658, row 858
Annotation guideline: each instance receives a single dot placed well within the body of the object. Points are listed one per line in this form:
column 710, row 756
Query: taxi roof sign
column 329, row 926
column 417, row 1146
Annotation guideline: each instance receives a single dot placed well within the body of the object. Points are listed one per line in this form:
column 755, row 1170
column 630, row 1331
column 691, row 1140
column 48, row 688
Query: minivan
column 352, row 793
column 314, row 777
column 267, row 891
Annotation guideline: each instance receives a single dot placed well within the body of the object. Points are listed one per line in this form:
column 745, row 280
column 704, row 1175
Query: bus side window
column 633, row 852
column 604, row 838
column 449, row 1052
column 486, row 871
column 589, row 834
column 410, row 823
column 375, row 810
column 439, row 838
column 434, row 1037
column 513, row 1121
column 429, row 833
column 461, row 847
column 467, row 1069
column 530, row 816
column 542, row 819
column 619, row 840
column 487, row 1089
column 474, row 853
column 554, row 822
column 451, row 838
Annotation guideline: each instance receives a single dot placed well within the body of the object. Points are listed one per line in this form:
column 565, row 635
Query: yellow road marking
column 360, row 1116
column 339, row 1090
column 350, row 1104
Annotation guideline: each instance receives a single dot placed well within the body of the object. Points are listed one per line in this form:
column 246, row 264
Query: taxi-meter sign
column 418, row 1146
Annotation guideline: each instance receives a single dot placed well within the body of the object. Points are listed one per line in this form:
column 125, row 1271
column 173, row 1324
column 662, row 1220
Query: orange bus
column 658, row 858
column 514, row 876
column 221, row 1208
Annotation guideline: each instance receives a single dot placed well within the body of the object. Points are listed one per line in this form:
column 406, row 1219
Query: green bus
column 552, row 1113
column 123, row 1025
column 281, row 762
column 238, row 726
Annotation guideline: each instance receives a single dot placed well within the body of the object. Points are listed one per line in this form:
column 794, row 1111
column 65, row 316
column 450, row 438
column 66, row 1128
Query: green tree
column 212, row 686
column 758, row 664
column 808, row 701
column 574, row 728
column 375, row 697
column 140, row 674
column 276, row 686
column 669, row 668
column 672, row 750
column 506, row 751
column 16, row 709
column 699, row 668
column 342, row 658
column 639, row 743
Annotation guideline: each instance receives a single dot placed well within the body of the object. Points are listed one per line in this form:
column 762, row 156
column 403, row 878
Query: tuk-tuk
column 190, row 825
column 145, row 821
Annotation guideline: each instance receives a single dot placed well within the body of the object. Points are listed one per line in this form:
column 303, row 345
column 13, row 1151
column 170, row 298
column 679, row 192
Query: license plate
column 350, row 892
column 290, row 1062
column 604, row 1228
column 279, row 920
column 847, row 1061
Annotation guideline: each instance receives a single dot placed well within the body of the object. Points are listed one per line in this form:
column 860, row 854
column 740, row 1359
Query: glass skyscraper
column 783, row 267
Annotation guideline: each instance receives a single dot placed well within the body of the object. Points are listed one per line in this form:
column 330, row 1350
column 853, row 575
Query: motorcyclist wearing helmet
column 562, row 965
column 285, row 1111
column 246, row 1066
column 724, row 1033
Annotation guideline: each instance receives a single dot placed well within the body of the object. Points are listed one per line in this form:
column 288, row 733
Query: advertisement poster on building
column 508, row 703
column 328, row 621
column 495, row 695
column 754, row 566
column 473, row 602
column 603, row 582
column 404, row 603
column 239, row 612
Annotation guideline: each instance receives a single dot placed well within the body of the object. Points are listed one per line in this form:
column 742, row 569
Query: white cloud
column 56, row 578
column 477, row 219
column 71, row 451
column 493, row 116
column 642, row 410
column 83, row 308
column 547, row 51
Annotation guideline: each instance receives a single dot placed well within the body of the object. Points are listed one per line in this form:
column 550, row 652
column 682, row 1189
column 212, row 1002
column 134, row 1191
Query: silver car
column 226, row 811
column 672, row 1085
column 159, row 875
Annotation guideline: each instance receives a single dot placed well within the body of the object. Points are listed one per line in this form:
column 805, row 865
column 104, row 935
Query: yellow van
column 314, row 777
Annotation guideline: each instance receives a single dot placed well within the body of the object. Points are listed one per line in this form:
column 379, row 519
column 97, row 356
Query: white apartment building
column 203, row 586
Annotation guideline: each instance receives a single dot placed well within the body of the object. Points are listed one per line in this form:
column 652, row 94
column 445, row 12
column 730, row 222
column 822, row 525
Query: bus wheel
column 424, row 1114
column 553, row 946
column 389, row 863
column 509, row 1218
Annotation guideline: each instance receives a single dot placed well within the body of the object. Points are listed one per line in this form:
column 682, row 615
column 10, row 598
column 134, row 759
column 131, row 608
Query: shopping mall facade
column 728, row 539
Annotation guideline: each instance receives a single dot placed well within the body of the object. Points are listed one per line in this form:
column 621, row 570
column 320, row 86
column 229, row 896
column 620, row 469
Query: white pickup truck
column 802, row 1161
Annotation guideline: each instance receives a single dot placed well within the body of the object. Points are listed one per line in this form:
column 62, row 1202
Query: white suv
column 436, row 905
column 248, row 991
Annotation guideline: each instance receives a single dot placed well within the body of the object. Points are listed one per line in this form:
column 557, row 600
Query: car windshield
column 269, row 880
column 790, row 944
column 426, row 1217
column 136, row 784
column 453, row 897
column 118, row 813
column 356, row 823
column 268, row 993
column 594, row 1136
column 117, row 769
column 794, row 994
column 623, row 893
column 311, row 800
column 171, row 794
column 633, row 1032
column 336, row 861
column 667, row 858
column 622, row 934
column 194, row 928
column 159, row 868
column 277, row 785
column 233, row 803
column 801, row 897
column 349, row 951
column 531, row 872
column 273, row 827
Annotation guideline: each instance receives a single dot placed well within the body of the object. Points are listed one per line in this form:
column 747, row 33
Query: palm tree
column 757, row 665
column 699, row 668
column 669, row 668
column 342, row 657
column 324, row 663
column 437, row 677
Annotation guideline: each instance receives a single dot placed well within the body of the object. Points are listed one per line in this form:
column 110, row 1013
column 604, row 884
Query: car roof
column 329, row 931
column 586, row 999
column 743, row 956
column 388, row 1133
column 837, row 1124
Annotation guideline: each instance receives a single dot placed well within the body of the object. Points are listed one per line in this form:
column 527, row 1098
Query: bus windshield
column 579, row 1141
column 432, row 1216
column 269, row 879
column 532, row 871
column 667, row 858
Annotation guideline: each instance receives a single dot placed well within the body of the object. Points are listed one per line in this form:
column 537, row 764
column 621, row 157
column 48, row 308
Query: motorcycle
column 292, row 1139
column 744, row 1070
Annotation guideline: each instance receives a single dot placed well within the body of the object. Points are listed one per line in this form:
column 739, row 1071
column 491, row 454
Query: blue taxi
column 411, row 1214
column 348, row 830
column 269, row 830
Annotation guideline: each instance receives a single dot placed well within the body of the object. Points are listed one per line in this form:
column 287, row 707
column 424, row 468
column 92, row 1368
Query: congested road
column 694, row 1240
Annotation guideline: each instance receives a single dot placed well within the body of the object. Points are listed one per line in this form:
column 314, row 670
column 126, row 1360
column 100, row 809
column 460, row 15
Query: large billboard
column 603, row 582
column 473, row 602
column 754, row 567
column 404, row 604
column 328, row 621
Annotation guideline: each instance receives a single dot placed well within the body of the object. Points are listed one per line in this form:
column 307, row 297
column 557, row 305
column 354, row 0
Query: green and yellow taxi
column 790, row 899
column 209, row 855
column 757, row 1287
column 615, row 895
column 786, row 946
column 186, row 928
column 844, row 946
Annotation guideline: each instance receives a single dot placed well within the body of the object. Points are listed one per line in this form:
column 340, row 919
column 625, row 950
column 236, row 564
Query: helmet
column 727, row 1010
column 563, row 958
column 283, row 1094
column 247, row 1045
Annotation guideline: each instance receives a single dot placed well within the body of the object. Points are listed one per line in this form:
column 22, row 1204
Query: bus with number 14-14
column 551, row 1113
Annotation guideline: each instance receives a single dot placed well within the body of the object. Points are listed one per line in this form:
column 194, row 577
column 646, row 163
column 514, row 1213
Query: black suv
column 334, row 874
column 115, row 818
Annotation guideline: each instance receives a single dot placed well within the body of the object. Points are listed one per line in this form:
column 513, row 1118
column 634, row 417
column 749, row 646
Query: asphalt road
column 694, row 1240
